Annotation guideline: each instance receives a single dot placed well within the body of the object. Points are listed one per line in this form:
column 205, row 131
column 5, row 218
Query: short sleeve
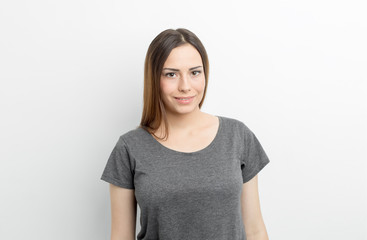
column 118, row 169
column 254, row 158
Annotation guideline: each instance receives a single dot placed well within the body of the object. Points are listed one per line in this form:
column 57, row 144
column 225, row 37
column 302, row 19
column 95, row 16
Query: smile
column 186, row 100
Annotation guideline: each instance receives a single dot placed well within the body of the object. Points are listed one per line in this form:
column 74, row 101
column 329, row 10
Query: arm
column 123, row 213
column 251, row 213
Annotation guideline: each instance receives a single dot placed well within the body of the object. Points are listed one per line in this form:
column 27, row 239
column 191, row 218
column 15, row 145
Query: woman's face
column 182, row 77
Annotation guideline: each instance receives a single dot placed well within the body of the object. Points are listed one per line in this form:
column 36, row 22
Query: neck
column 184, row 122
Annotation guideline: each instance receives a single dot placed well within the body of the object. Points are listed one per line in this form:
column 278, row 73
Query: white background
column 72, row 82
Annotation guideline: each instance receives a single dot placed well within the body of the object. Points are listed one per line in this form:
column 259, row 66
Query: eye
column 170, row 75
column 195, row 73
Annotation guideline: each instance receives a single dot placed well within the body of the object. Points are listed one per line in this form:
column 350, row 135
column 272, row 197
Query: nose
column 184, row 83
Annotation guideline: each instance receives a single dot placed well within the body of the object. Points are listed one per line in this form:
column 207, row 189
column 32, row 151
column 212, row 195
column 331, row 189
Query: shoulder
column 132, row 136
column 235, row 124
column 237, row 129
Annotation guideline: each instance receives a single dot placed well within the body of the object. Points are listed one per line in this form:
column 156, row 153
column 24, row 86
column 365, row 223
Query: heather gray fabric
column 193, row 196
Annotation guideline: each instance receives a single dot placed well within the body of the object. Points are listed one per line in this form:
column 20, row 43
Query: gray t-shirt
column 188, row 195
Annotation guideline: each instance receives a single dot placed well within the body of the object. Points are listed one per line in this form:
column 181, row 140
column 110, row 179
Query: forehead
column 184, row 56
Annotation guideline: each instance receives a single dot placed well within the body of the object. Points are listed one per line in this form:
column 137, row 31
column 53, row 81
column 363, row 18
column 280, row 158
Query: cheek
column 166, row 87
column 200, row 84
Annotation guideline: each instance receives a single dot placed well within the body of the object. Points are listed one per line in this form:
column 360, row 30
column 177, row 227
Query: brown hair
column 157, row 54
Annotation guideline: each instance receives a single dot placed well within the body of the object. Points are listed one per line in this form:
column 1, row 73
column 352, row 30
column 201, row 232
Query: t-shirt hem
column 115, row 182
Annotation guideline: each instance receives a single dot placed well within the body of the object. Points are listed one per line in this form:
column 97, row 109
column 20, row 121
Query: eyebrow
column 177, row 70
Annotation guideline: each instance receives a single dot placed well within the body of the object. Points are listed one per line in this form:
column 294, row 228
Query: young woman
column 193, row 174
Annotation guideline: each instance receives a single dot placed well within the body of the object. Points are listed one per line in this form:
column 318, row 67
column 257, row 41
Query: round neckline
column 203, row 150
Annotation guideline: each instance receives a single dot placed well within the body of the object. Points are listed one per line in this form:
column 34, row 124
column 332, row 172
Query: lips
column 184, row 97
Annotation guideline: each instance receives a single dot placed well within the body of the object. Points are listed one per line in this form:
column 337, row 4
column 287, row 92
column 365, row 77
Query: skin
column 251, row 211
column 190, row 130
column 182, row 76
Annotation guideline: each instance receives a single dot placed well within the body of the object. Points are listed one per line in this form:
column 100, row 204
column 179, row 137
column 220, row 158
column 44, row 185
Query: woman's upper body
column 190, row 195
column 200, row 182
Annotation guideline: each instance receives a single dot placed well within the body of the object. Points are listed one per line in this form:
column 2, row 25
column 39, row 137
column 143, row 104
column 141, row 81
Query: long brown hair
column 157, row 54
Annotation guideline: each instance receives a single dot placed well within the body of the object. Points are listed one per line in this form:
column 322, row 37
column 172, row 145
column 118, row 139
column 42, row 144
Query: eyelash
column 168, row 74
